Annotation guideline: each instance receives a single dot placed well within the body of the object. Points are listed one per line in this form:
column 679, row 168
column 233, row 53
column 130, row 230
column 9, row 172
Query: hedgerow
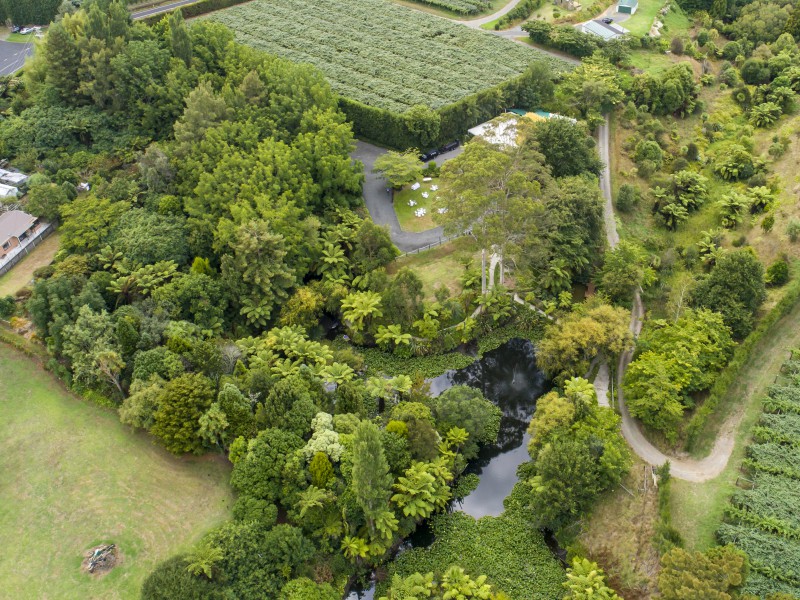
column 782, row 399
column 764, row 521
column 771, row 555
column 463, row 7
column 383, row 60
column 778, row 428
column 762, row 586
column 774, row 497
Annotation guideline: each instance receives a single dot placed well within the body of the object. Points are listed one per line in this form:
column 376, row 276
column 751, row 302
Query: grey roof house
column 607, row 31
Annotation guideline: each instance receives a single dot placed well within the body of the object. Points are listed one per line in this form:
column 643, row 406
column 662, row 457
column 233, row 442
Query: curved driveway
column 379, row 201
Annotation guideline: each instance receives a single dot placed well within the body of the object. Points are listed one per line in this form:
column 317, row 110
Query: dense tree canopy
column 673, row 361
column 577, row 451
column 735, row 288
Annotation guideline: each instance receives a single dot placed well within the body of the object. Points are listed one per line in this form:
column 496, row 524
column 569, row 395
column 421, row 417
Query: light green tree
column 586, row 581
column 399, row 168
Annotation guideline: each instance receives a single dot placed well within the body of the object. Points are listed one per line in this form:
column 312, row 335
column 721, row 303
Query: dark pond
column 508, row 377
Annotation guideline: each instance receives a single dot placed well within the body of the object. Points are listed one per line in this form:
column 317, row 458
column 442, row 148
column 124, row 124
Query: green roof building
column 627, row 6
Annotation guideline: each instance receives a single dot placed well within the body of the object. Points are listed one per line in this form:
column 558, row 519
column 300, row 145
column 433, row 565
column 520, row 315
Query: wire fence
column 441, row 240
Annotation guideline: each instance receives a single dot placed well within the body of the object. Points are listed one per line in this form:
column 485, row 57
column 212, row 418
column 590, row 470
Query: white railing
column 17, row 254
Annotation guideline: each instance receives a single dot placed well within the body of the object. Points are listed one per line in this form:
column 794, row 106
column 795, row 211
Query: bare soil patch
column 98, row 561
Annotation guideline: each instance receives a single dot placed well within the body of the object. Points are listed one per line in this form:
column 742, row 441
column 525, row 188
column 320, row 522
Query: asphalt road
column 13, row 55
column 141, row 14
column 379, row 201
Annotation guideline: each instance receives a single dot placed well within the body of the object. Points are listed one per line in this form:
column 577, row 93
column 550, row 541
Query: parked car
column 448, row 147
column 15, row 28
column 429, row 155
column 608, row 20
column 25, row 30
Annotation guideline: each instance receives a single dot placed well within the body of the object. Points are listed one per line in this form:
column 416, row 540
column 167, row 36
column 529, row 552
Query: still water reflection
column 508, row 377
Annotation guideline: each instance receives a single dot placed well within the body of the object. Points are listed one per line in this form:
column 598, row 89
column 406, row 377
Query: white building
column 606, row 31
column 8, row 191
column 12, row 177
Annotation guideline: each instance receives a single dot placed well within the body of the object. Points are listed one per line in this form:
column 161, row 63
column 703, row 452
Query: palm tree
column 332, row 262
column 355, row 548
column 337, row 373
column 392, row 333
column 203, row 559
column 359, row 307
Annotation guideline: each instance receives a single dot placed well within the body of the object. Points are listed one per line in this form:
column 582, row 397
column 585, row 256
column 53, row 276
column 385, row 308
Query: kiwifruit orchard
column 380, row 54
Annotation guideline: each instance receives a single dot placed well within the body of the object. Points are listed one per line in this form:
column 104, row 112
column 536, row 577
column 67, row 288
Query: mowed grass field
column 72, row 477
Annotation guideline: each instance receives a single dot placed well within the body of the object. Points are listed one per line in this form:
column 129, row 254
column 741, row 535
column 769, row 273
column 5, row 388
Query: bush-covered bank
column 696, row 427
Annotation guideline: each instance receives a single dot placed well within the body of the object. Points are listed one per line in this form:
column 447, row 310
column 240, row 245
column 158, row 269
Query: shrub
column 628, row 197
column 768, row 223
column 793, row 229
column 676, row 46
column 7, row 305
column 777, row 273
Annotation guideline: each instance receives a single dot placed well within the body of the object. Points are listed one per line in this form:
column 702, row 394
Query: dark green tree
column 182, row 403
column 567, row 147
column 735, row 288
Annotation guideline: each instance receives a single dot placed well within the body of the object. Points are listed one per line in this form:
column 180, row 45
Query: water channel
column 507, row 376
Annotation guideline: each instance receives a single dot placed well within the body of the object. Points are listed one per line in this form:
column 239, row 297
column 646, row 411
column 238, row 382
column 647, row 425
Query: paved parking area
column 13, row 55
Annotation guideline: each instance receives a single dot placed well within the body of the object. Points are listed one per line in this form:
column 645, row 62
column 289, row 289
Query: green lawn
column 21, row 274
column 409, row 221
column 16, row 37
column 442, row 265
column 697, row 508
column 640, row 23
column 72, row 477
column 653, row 63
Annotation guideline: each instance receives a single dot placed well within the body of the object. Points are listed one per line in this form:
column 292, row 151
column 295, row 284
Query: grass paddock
column 72, row 477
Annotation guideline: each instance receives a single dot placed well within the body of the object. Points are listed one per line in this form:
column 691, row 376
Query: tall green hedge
column 29, row 12
column 195, row 9
column 396, row 130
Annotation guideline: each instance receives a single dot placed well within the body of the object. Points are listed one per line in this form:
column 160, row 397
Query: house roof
column 501, row 130
column 8, row 190
column 630, row 3
column 13, row 176
column 607, row 31
column 14, row 223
